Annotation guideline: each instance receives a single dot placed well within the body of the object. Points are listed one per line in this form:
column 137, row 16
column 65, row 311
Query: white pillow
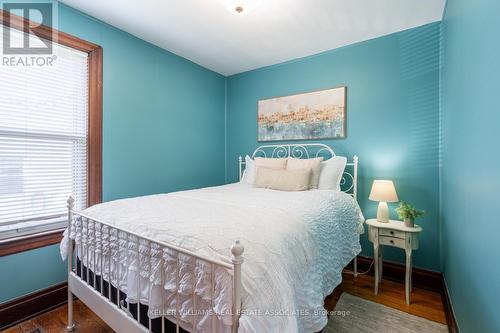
column 331, row 173
column 283, row 180
column 249, row 173
column 307, row 163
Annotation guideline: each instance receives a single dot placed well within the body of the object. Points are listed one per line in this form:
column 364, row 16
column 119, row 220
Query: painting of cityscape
column 308, row 116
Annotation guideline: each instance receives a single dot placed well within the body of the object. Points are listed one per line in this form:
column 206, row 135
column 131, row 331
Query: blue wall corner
column 470, row 181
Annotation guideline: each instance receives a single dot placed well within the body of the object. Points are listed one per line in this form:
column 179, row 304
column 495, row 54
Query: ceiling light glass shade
column 240, row 7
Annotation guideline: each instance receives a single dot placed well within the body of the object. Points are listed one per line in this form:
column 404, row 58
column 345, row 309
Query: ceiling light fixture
column 240, row 7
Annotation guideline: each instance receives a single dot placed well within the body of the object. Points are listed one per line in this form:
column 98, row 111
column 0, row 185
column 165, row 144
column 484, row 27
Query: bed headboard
column 349, row 183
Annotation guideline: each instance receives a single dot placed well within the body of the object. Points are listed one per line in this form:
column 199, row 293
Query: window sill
column 30, row 242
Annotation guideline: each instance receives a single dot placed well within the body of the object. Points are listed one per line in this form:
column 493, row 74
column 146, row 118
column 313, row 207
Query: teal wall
column 157, row 107
column 25, row 272
column 392, row 118
column 471, row 162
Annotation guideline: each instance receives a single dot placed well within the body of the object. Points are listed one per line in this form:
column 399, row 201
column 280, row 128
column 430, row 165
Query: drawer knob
column 392, row 242
column 392, row 232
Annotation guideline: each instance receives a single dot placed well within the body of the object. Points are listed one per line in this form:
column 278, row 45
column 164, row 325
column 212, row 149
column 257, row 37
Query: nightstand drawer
column 392, row 233
column 392, row 241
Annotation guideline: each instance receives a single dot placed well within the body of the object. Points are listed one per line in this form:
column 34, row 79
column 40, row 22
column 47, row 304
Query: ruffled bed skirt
column 167, row 281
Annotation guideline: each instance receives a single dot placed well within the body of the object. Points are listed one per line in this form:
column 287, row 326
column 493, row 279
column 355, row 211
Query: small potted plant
column 408, row 213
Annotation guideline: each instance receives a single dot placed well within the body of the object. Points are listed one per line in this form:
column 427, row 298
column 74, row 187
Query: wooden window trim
column 94, row 140
column 30, row 242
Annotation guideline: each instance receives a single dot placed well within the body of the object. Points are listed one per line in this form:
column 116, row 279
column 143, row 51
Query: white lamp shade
column 383, row 190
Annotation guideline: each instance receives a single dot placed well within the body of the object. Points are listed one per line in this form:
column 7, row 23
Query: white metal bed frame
column 308, row 150
column 116, row 314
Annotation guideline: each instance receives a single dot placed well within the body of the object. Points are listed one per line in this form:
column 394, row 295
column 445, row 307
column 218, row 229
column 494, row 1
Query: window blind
column 43, row 139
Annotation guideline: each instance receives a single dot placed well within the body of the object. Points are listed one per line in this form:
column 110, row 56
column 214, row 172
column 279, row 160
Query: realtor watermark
column 28, row 33
column 250, row 312
column 28, row 61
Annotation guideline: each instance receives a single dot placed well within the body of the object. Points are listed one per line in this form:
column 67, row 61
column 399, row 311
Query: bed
column 176, row 262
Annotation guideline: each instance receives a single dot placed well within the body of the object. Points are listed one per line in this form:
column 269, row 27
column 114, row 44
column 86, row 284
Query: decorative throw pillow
column 249, row 173
column 331, row 173
column 271, row 163
column 283, row 180
column 306, row 163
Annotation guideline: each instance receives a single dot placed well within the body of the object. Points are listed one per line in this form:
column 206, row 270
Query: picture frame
column 313, row 115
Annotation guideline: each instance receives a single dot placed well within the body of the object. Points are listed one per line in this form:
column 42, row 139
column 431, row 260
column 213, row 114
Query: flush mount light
column 240, row 7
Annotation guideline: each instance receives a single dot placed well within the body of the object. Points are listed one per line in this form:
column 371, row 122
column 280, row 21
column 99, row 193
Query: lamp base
column 383, row 212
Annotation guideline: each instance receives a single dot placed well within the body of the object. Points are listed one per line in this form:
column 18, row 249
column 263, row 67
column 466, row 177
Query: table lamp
column 384, row 192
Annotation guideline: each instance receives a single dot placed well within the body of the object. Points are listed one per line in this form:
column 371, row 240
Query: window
column 50, row 124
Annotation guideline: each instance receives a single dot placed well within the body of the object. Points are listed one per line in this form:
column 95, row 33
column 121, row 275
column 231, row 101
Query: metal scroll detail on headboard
column 349, row 182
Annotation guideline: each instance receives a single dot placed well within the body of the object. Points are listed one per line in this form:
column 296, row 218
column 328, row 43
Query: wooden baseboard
column 31, row 305
column 422, row 278
column 448, row 310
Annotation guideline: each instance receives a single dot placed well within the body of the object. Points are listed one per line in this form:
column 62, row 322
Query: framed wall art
column 308, row 116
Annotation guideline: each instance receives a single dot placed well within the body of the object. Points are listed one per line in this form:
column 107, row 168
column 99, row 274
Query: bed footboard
column 98, row 253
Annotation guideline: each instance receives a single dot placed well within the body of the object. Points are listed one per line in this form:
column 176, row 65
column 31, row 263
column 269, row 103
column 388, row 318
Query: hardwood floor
column 55, row 321
column 425, row 304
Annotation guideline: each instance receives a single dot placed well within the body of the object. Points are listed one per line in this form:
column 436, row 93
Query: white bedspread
column 296, row 245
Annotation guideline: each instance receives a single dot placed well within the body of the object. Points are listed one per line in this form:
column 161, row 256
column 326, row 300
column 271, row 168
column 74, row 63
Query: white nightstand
column 396, row 234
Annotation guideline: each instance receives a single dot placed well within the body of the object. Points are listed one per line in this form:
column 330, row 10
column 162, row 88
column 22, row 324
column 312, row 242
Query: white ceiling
column 204, row 32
